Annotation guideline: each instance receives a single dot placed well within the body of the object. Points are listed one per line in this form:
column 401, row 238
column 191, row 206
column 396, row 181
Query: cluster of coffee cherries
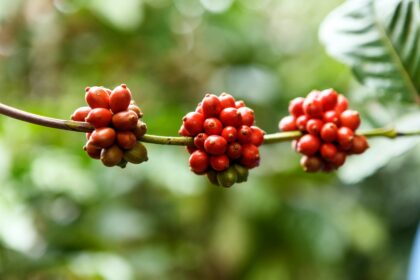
column 118, row 126
column 328, row 129
column 226, row 140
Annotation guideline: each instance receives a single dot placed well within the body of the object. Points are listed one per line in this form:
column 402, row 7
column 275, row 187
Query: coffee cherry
column 339, row 159
column 212, row 126
column 135, row 109
column 211, row 106
column 212, row 176
column 199, row 162
column 229, row 133
column 219, row 163
column 230, row 117
column 250, row 156
column 359, row 145
column 103, row 137
column 328, row 99
column 287, row 123
column 99, row 117
column 296, row 107
column 329, row 132
column 191, row 149
column 126, row 139
column 331, row 116
column 227, row 178
column 80, row 114
column 342, row 104
column 308, row 145
column 184, row 132
column 193, row 123
column 241, row 172
column 350, row 119
column 240, row 104
column 111, row 156
column 92, row 150
column 215, row 145
column 226, row 100
column 140, row 129
column 120, row 98
column 247, row 116
column 311, row 164
column 301, row 122
column 257, row 137
column 123, row 163
column 97, row 97
column 88, row 134
column 244, row 134
column 312, row 107
column 137, row 154
column 314, row 126
column 125, row 120
column 234, row 151
column 199, row 109
column 328, row 151
column 199, row 140
column 345, row 137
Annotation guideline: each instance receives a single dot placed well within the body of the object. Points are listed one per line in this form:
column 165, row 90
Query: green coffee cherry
column 137, row 154
column 228, row 177
column 123, row 163
column 242, row 173
column 111, row 156
column 212, row 176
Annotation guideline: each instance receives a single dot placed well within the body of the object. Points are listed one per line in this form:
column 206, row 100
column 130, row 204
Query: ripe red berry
column 126, row 139
column 97, row 97
column 250, row 156
column 247, row 116
column 99, row 117
column 140, row 129
column 257, row 136
column 345, row 137
column 227, row 100
column 213, row 126
column 328, row 99
column 193, row 123
column 229, row 133
column 199, row 108
column 135, row 109
column 239, row 104
column 230, row 117
column 359, row 145
column 80, row 114
column 312, row 107
column 211, row 106
column 301, row 122
column 314, row 126
column 191, row 149
column 125, row 120
column 311, row 164
column 295, row 106
column 244, row 134
column 92, row 150
column 199, row 140
column 328, row 151
column 350, row 119
column 120, row 98
column 308, row 145
column 219, row 163
column 215, row 145
column 199, row 162
column 287, row 123
column 342, row 104
column 103, row 137
column 331, row 116
column 314, row 94
column 339, row 159
column 184, row 132
column 329, row 132
column 234, row 150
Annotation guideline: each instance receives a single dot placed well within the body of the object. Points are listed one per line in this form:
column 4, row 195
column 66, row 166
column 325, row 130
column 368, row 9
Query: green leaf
column 379, row 40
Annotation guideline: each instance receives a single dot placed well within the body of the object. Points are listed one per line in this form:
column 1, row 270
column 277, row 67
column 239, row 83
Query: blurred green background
column 64, row 216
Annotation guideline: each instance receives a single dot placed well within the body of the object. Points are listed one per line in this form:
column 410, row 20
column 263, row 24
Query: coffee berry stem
column 169, row 140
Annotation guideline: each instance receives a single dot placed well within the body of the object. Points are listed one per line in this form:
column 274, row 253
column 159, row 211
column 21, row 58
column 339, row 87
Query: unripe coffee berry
column 241, row 172
column 140, row 129
column 137, row 154
column 227, row 178
column 120, row 98
column 111, row 156
column 97, row 97
column 135, row 109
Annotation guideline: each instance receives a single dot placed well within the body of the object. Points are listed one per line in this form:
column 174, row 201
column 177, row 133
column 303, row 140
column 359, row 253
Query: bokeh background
column 64, row 216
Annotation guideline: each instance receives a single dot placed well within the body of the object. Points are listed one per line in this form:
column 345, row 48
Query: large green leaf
column 379, row 39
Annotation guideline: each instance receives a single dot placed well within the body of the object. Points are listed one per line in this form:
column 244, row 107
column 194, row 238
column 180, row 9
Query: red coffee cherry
column 103, row 137
column 308, row 145
column 311, row 164
column 339, row 159
column 301, row 122
column 99, row 117
column 97, row 97
column 314, row 126
column 328, row 99
column 213, row 126
column 227, row 100
column 229, row 133
column 126, row 139
column 184, row 132
column 247, row 116
column 120, row 98
column 234, row 150
column 199, row 162
column 191, row 149
column 342, row 104
column 250, row 156
column 359, row 145
column 350, row 119
column 219, row 163
column 329, row 132
column 244, row 134
column 240, row 104
column 257, row 137
column 135, row 109
column 92, row 150
column 140, row 129
column 331, row 116
column 328, row 151
column 193, row 123
column 199, row 108
column 231, row 117
column 80, row 114
column 125, row 120
column 215, row 145
column 296, row 107
column 199, row 140
column 288, row 123
column 312, row 107
column 345, row 137
column 211, row 106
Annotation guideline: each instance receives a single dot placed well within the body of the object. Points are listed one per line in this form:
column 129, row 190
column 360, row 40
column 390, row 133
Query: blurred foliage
column 64, row 216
